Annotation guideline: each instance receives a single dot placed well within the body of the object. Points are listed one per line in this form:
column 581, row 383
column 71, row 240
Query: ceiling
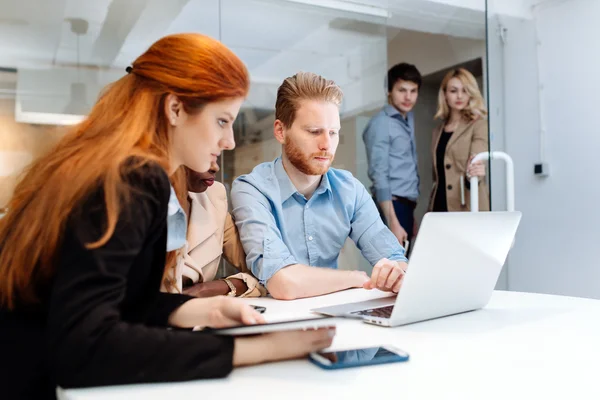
column 275, row 38
column 36, row 33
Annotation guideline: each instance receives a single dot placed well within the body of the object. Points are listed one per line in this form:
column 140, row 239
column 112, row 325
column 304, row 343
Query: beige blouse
column 212, row 234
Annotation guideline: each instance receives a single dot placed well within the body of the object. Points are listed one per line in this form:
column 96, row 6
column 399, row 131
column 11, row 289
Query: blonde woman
column 462, row 135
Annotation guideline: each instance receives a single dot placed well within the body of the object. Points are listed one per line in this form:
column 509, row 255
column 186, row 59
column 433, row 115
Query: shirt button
column 449, row 187
column 310, row 238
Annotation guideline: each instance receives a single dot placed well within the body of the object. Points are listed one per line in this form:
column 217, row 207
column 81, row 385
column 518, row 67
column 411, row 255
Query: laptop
column 454, row 267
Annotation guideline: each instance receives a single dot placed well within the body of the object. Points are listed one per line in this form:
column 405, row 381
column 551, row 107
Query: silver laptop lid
column 455, row 263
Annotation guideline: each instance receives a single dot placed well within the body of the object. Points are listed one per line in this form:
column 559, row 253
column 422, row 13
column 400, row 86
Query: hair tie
column 128, row 69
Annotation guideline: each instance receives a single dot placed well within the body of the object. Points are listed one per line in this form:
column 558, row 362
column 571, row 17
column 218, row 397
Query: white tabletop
column 520, row 346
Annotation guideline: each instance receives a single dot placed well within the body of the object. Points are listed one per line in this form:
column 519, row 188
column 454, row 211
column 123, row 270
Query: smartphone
column 260, row 309
column 358, row 357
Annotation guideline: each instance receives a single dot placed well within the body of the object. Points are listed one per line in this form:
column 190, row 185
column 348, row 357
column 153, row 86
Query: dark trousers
column 405, row 212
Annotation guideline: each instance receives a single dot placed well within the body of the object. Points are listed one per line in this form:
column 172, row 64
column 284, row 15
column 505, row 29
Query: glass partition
column 72, row 49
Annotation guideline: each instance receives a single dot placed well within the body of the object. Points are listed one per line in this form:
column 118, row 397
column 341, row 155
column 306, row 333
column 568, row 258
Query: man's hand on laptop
column 387, row 275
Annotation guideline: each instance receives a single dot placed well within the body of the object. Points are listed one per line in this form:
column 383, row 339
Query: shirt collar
column 287, row 188
column 324, row 186
column 173, row 206
column 391, row 111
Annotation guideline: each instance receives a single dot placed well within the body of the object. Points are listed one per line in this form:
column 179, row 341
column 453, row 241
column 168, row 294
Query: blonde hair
column 476, row 107
column 304, row 86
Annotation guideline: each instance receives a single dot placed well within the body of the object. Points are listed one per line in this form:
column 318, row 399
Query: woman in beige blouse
column 211, row 234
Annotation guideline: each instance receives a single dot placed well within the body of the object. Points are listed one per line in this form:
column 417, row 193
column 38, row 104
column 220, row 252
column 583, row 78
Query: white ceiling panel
column 200, row 16
column 29, row 31
column 268, row 25
column 154, row 22
column 35, row 32
column 275, row 38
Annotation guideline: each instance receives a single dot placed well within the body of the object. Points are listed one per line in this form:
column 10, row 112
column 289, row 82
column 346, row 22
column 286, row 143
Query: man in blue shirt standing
column 295, row 213
column 390, row 141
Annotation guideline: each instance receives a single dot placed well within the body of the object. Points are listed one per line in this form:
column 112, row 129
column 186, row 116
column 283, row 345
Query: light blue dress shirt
column 392, row 155
column 176, row 223
column 279, row 227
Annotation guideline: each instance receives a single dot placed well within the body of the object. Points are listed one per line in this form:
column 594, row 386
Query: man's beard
column 306, row 164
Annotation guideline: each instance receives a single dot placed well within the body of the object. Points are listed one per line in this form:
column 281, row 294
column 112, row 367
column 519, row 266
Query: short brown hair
column 304, row 86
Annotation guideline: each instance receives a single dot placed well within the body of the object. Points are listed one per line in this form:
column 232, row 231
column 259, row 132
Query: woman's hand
column 280, row 346
column 477, row 169
column 215, row 312
column 215, row 288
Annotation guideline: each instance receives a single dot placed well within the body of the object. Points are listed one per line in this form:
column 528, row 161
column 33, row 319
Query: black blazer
column 102, row 319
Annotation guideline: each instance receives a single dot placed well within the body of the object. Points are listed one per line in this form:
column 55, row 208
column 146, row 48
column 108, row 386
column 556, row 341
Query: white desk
column 520, row 346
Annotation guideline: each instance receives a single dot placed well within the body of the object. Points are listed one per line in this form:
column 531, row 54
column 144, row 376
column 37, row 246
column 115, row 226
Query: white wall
column 556, row 250
column 432, row 52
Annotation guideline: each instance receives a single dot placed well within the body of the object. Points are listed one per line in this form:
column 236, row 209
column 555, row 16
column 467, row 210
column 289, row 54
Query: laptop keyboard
column 380, row 312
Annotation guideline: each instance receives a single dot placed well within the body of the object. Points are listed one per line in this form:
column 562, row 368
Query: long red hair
column 127, row 121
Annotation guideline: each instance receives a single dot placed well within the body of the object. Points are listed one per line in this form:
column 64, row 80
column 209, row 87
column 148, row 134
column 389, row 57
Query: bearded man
column 295, row 213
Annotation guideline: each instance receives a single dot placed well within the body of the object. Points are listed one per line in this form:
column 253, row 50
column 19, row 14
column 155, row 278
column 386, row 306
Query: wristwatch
column 232, row 291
